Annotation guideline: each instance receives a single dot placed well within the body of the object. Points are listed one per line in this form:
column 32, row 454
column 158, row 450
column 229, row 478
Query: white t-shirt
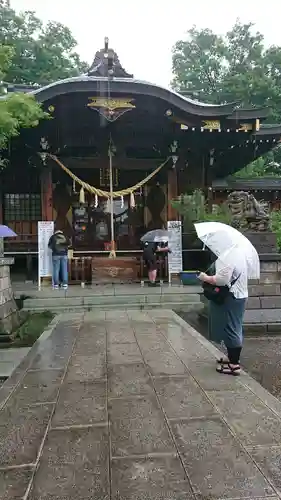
column 225, row 273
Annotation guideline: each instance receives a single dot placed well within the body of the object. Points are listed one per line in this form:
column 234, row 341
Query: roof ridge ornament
column 106, row 63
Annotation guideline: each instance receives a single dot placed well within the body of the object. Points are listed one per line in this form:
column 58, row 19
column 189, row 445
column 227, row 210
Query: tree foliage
column 16, row 110
column 234, row 67
column 193, row 208
column 41, row 54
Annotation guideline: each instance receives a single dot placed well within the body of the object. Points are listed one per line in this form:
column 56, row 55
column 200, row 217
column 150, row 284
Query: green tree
column 233, row 68
column 16, row 110
column 42, row 54
column 236, row 67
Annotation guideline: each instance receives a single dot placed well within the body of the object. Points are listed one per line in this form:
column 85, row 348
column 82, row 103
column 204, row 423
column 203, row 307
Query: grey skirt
column 226, row 321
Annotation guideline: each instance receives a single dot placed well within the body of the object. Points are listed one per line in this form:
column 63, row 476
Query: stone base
column 10, row 317
column 263, row 241
column 119, row 270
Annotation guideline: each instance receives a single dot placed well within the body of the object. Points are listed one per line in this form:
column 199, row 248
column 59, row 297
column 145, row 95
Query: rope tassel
column 122, row 201
column 96, row 201
column 82, row 196
column 132, row 200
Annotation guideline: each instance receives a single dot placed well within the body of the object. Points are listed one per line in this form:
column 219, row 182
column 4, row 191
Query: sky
column 144, row 32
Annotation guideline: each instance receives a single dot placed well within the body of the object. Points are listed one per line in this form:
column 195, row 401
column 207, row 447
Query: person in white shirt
column 226, row 320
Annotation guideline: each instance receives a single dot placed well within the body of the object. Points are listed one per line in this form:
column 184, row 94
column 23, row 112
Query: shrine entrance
column 88, row 224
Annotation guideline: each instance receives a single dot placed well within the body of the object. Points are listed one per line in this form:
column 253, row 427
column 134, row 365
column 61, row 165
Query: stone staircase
column 263, row 309
column 178, row 298
column 263, row 312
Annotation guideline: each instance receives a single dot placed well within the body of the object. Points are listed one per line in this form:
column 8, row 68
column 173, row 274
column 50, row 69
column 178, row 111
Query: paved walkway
column 128, row 406
column 10, row 359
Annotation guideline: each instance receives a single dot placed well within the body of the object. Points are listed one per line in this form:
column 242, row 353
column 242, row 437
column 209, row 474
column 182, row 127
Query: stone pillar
column 9, row 314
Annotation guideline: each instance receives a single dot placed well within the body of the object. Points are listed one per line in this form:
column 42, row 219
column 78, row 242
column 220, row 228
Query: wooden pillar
column 47, row 194
column 46, row 205
column 172, row 192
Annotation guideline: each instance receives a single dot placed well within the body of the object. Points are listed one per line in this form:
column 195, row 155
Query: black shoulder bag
column 216, row 293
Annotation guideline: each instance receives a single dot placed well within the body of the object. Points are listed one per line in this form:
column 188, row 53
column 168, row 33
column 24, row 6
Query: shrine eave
column 258, row 184
column 135, row 87
column 269, row 130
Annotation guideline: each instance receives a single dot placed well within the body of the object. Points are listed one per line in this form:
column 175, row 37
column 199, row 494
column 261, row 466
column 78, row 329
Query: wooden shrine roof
column 258, row 184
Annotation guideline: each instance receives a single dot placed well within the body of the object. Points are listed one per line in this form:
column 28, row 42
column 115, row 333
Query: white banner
column 45, row 231
column 175, row 244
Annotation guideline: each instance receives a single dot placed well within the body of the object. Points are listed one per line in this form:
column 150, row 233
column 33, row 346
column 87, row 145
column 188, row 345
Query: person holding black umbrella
column 150, row 251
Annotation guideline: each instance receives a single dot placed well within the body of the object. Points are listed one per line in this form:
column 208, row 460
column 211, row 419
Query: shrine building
column 146, row 129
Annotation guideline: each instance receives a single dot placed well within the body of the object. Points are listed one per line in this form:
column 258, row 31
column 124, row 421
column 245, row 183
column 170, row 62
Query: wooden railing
column 80, row 267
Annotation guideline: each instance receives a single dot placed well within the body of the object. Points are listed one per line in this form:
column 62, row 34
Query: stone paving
column 127, row 406
column 10, row 359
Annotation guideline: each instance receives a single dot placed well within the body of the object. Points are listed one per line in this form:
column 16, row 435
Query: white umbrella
column 223, row 240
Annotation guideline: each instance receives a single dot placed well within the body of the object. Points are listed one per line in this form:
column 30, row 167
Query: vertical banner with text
column 45, row 231
column 175, row 244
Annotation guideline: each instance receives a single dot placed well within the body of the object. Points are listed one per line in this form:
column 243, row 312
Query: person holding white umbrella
column 227, row 289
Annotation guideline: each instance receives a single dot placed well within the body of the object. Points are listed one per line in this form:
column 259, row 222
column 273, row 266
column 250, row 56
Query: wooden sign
column 45, row 231
column 175, row 244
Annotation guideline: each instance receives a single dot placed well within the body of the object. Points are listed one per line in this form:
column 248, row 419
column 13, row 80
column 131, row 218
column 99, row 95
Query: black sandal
column 227, row 369
column 223, row 361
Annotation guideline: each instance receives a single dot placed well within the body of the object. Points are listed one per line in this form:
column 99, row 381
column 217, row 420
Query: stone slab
column 251, row 420
column 81, row 403
column 269, row 266
column 262, row 315
column 122, row 354
column 126, row 380
column 37, row 388
column 74, row 465
column 166, row 364
column 137, row 407
column 255, row 329
column 254, row 302
column 264, row 290
column 269, row 460
column 150, row 479
column 86, row 368
column 21, row 433
column 182, row 398
column 140, row 437
column 271, row 303
column 123, row 335
column 215, row 463
column 14, row 483
column 267, row 277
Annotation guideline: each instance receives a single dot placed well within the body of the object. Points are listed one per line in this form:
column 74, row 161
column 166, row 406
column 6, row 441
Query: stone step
column 261, row 329
column 265, row 289
column 67, row 302
column 184, row 306
column 263, row 302
column 262, row 316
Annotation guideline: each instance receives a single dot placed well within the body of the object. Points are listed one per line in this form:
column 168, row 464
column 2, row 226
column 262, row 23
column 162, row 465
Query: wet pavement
column 261, row 355
column 128, row 406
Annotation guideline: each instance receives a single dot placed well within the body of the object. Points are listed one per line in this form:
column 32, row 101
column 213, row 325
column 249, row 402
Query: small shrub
column 275, row 222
